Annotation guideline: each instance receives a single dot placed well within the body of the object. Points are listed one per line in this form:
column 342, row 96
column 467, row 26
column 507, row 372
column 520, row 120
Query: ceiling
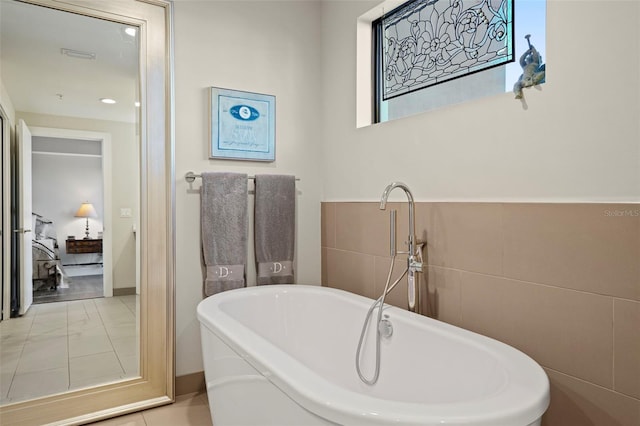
column 40, row 79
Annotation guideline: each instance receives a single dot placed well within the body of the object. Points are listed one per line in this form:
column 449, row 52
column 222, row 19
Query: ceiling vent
column 79, row 54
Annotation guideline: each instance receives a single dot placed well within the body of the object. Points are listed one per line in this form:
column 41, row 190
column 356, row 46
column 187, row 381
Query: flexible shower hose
column 380, row 304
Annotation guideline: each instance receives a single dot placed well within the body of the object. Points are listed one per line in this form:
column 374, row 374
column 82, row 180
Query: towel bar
column 190, row 177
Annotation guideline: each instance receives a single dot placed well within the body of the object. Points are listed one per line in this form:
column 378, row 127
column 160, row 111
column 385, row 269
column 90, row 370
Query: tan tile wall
column 561, row 282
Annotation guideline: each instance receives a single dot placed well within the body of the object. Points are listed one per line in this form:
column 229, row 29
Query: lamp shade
column 86, row 210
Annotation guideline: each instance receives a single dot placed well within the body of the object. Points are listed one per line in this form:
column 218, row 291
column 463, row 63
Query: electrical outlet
column 125, row 212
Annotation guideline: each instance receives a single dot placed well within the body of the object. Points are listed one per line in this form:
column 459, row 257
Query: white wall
column 575, row 140
column 258, row 46
column 7, row 104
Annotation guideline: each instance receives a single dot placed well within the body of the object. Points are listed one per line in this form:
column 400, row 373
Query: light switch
column 125, row 212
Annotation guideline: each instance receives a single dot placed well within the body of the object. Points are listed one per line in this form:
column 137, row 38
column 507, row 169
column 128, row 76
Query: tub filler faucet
column 384, row 328
column 414, row 263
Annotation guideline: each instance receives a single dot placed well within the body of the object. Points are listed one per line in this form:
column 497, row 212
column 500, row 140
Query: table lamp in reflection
column 86, row 210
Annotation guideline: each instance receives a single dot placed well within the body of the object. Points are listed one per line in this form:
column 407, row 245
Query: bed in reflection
column 47, row 269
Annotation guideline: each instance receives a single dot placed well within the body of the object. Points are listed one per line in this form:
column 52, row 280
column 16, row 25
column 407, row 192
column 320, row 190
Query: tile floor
column 188, row 410
column 71, row 288
column 60, row 346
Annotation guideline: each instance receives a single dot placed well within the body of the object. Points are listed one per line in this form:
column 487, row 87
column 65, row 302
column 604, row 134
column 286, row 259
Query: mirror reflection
column 70, row 307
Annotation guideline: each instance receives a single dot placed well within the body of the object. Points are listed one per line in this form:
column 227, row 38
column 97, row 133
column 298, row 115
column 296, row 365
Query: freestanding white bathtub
column 285, row 355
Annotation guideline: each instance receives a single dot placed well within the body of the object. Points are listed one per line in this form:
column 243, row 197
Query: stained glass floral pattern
column 426, row 42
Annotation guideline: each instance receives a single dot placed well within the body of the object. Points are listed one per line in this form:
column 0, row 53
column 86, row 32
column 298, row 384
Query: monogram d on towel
column 224, row 230
column 275, row 213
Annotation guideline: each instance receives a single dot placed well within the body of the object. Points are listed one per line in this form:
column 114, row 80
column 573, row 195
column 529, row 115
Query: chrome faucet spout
column 412, row 225
column 391, row 187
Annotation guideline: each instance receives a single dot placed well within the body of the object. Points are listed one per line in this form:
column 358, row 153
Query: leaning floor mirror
column 86, row 109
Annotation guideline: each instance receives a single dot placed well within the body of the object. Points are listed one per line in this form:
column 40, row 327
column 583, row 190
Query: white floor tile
column 60, row 345
column 16, row 325
column 94, row 366
column 125, row 346
column 121, row 330
column 44, row 354
column 82, row 344
column 130, row 365
column 9, row 357
column 78, row 326
column 12, row 343
column 45, row 330
column 49, row 308
column 5, row 384
column 35, row 384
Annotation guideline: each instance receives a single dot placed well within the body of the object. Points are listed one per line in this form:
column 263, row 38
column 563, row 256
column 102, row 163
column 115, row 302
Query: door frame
column 107, row 238
column 24, row 226
column 5, row 134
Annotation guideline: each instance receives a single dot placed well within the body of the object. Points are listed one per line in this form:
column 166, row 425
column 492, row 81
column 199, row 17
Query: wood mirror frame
column 155, row 385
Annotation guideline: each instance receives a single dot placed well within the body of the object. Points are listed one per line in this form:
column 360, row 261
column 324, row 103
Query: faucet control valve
column 415, row 265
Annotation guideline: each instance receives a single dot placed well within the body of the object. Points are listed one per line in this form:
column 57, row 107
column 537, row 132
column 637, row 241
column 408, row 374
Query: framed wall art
column 243, row 125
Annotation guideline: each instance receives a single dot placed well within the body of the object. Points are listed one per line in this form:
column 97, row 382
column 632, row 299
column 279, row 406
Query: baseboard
column 190, row 383
column 124, row 291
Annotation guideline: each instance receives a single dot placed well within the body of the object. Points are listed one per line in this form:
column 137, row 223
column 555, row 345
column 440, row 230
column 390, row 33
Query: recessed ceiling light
column 130, row 31
column 79, row 54
column 107, row 101
column 137, row 104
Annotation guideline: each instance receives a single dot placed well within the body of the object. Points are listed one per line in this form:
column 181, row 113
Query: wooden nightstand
column 84, row 246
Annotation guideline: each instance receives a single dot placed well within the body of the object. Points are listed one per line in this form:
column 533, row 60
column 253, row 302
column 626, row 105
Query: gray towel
column 275, row 213
column 224, row 230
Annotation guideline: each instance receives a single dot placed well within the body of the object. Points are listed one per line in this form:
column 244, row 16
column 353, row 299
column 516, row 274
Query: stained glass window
column 426, row 42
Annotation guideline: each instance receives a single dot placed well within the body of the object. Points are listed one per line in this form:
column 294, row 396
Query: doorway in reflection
column 67, row 246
